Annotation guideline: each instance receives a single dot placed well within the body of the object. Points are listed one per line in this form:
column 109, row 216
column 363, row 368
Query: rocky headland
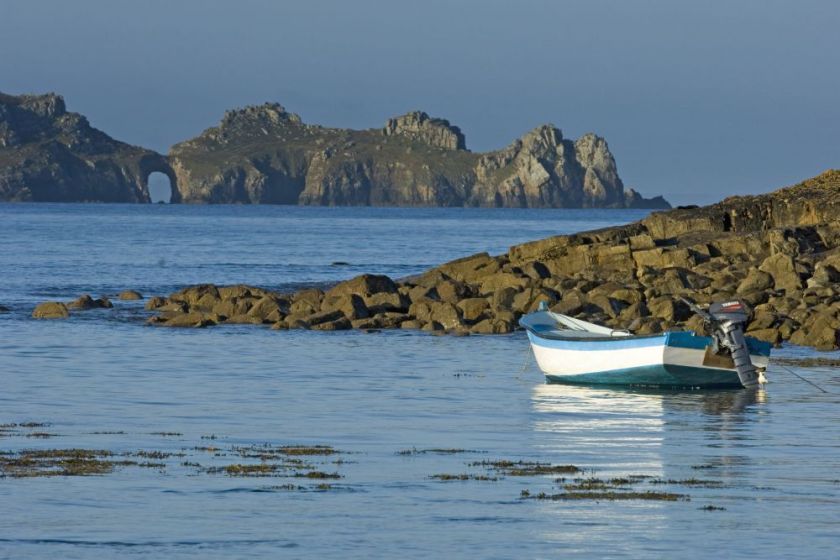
column 780, row 252
column 48, row 154
column 265, row 154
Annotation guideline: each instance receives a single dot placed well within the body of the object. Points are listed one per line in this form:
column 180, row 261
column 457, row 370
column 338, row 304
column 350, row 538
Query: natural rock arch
column 158, row 164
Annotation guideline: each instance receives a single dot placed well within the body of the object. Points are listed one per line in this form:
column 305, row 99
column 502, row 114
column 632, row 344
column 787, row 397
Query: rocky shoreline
column 780, row 252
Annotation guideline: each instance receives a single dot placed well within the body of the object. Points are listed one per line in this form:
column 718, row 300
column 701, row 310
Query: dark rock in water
column 87, row 302
column 51, row 310
column 264, row 154
column 50, row 155
column 4, row 309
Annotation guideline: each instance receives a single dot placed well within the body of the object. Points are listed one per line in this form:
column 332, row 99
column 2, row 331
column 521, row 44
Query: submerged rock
column 51, row 310
column 130, row 295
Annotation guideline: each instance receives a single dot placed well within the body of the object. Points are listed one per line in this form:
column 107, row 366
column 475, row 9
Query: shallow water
column 770, row 458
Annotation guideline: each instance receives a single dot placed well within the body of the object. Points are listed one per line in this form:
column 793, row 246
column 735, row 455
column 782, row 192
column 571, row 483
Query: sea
column 245, row 442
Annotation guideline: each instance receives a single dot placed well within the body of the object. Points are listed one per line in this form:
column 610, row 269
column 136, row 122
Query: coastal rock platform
column 780, row 252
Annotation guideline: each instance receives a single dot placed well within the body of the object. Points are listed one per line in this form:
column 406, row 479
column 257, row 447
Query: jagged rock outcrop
column 264, row 154
column 780, row 252
column 50, row 155
column 417, row 125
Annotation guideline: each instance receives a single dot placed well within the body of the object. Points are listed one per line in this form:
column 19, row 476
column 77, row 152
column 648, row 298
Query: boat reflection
column 637, row 431
column 626, row 433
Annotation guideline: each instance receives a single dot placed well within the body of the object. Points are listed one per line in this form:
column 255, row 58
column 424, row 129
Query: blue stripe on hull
column 655, row 375
column 674, row 339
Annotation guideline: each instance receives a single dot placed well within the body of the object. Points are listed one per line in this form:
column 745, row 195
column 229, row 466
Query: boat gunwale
column 550, row 335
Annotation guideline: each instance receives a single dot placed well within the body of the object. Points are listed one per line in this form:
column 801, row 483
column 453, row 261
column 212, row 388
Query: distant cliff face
column 265, row 154
column 50, row 155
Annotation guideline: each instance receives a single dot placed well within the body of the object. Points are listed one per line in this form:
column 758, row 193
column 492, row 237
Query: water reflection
column 641, row 431
column 667, row 436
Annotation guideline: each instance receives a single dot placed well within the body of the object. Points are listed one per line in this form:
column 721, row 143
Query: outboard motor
column 727, row 321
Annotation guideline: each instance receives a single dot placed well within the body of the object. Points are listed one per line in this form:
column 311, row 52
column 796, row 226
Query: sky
column 697, row 100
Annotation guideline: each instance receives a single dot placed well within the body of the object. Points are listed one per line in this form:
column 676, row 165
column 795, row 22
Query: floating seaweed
column 526, row 468
column 453, row 477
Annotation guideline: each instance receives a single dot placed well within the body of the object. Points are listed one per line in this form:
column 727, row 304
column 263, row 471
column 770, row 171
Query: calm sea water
column 103, row 380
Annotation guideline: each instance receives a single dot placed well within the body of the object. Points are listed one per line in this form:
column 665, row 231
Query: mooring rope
column 524, row 363
column 803, row 378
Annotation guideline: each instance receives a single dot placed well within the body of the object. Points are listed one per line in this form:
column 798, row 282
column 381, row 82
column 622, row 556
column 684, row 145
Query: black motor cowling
column 727, row 321
column 734, row 311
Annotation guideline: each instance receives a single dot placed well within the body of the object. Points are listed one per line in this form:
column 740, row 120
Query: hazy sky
column 698, row 100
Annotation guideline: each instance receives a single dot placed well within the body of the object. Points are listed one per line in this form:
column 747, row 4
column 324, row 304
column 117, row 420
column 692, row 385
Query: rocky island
column 267, row 155
column 780, row 252
column 48, row 154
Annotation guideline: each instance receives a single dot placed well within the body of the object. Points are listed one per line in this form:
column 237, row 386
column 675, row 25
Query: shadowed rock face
column 50, row 155
column 780, row 252
column 265, row 154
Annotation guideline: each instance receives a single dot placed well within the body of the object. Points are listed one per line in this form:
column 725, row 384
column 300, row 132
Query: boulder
column 572, row 303
column 422, row 293
column 821, row 331
column 321, row 317
column 193, row 294
column 306, row 302
column 351, row 305
column 783, row 270
column 501, row 280
column 824, row 275
column 51, row 310
column 339, row 324
column 238, row 291
column 129, row 295
column 452, row 291
column 756, row 280
column 189, row 320
column 364, row 285
column 244, row 319
column 773, row 336
column 503, row 298
column 384, row 302
column 154, row 303
column 173, row 307
column 447, row 315
column 535, row 270
column 87, row 302
column 390, row 319
column 268, row 308
column 472, row 309
column 233, row 306
column 669, row 309
column 471, row 269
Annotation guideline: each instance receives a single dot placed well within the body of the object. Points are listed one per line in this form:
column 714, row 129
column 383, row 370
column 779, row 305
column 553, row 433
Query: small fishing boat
column 569, row 350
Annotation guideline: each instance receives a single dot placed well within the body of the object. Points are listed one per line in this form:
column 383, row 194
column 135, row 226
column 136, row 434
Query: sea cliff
column 48, row 154
column 265, row 154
